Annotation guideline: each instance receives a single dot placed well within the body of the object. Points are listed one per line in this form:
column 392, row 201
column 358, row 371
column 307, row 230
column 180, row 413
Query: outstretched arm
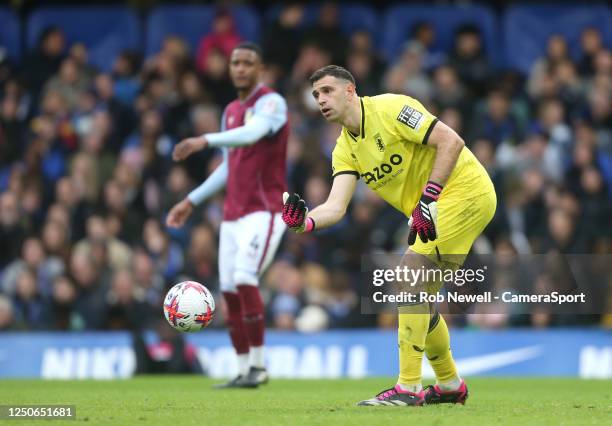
column 254, row 130
column 332, row 211
column 299, row 219
column 270, row 114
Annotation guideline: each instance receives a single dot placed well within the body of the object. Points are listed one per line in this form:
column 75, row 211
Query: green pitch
column 179, row 401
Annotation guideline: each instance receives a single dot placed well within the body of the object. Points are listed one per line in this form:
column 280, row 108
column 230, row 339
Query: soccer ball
column 189, row 306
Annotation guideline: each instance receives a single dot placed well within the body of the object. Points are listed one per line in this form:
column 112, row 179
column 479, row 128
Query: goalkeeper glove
column 425, row 215
column 295, row 214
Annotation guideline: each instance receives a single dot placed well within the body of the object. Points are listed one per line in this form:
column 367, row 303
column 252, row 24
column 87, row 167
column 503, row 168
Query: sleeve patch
column 410, row 117
column 270, row 106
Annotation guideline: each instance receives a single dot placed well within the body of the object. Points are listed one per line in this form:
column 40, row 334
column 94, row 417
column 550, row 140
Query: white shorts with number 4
column 247, row 246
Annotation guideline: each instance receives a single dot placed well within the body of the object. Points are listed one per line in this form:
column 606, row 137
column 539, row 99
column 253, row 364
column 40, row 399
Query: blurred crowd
column 86, row 175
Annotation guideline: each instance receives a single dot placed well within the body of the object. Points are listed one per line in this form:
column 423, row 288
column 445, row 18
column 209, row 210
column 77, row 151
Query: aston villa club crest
column 248, row 114
column 379, row 142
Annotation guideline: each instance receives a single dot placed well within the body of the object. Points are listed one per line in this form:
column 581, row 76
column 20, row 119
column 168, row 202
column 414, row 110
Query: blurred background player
column 254, row 140
column 400, row 149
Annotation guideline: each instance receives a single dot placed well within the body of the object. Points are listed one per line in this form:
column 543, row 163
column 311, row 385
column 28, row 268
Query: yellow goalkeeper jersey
column 392, row 156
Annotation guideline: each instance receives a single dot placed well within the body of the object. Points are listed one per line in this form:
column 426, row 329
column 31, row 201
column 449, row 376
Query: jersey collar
column 255, row 90
column 362, row 123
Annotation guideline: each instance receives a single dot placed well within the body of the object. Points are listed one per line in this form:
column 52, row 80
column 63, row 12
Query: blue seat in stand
column 192, row 22
column 399, row 21
column 353, row 17
column 527, row 29
column 106, row 31
column 10, row 35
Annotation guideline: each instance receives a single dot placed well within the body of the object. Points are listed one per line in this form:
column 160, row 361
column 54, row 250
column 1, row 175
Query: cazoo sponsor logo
column 384, row 170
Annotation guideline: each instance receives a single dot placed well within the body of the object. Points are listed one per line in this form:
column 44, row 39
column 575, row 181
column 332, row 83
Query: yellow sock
column 411, row 335
column 437, row 349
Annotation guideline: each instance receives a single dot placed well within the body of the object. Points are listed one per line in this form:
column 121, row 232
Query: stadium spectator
column 202, row 118
column 341, row 301
column 44, row 61
column 591, row 44
column 571, row 88
column 67, row 195
column 191, row 94
column 495, row 120
column 31, row 204
column 177, row 51
column 469, row 59
column 281, row 56
column 125, row 304
column 12, row 131
column 600, row 109
column 309, row 57
column 595, row 207
column 167, row 255
column 117, row 206
column 148, row 279
column 202, row 255
column 534, row 213
column 99, row 143
column 222, row 39
column 449, row 91
column 363, row 43
column 149, row 149
column 424, row 33
column 287, row 300
column 33, row 259
column 92, row 282
column 363, row 66
column 453, row 118
column 126, row 76
column 326, row 33
column 215, row 77
column 408, row 75
column 79, row 53
column 69, row 83
column 7, row 319
column 121, row 116
column 562, row 233
column 118, row 253
column 59, row 312
column 28, row 302
column 12, row 231
column 540, row 78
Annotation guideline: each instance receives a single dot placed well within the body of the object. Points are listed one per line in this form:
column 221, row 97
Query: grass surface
column 178, row 401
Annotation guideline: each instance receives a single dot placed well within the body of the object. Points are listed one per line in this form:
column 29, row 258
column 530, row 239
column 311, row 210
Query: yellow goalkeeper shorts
column 460, row 221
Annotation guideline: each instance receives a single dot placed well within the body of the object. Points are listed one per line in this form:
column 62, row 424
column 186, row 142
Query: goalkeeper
column 420, row 166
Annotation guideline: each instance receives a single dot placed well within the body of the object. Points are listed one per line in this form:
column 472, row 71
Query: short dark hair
column 333, row 70
column 249, row 45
